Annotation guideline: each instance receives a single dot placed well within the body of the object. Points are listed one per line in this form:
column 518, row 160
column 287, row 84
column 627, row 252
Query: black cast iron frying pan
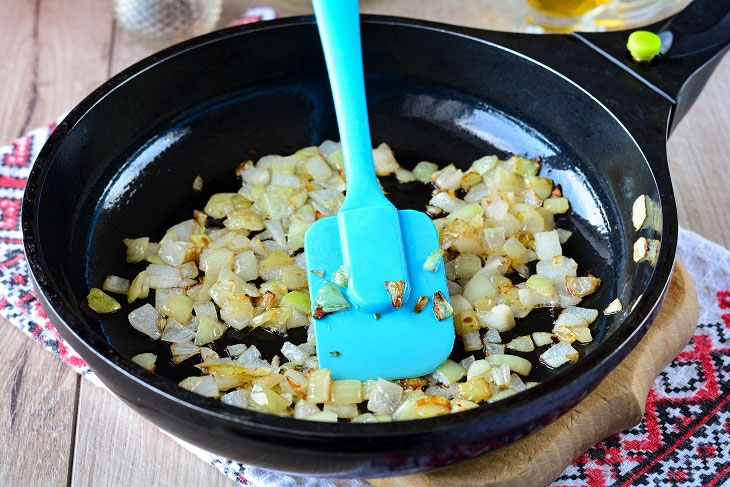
column 122, row 163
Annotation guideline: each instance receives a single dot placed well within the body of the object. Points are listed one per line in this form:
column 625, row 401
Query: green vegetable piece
column 101, row 302
column 644, row 45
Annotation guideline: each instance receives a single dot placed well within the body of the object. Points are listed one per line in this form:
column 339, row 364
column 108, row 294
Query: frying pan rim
column 631, row 329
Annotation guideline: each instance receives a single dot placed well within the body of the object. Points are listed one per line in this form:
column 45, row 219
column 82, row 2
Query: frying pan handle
column 693, row 42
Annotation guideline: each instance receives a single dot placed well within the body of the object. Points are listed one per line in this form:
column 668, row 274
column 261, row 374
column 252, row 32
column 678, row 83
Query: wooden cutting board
column 615, row 405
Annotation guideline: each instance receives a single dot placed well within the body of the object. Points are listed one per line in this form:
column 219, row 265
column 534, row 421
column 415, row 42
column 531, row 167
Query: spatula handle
column 339, row 29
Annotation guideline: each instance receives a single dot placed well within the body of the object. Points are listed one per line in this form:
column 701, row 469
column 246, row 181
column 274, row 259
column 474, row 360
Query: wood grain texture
column 46, row 70
column 115, row 446
column 19, row 38
column 699, row 160
column 616, row 404
column 37, row 410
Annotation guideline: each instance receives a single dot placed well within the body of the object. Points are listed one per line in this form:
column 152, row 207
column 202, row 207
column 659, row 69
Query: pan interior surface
column 126, row 168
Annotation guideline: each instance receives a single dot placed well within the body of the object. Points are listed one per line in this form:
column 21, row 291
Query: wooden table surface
column 54, row 52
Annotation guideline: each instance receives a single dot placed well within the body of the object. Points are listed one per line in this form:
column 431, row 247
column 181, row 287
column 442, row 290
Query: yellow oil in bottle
column 566, row 8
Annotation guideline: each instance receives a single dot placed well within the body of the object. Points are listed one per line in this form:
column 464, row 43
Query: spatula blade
column 353, row 344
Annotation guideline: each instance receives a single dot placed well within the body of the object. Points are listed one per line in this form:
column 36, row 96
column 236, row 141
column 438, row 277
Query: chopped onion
column 176, row 332
column 424, row 170
column 639, row 212
column 332, row 152
column 209, row 329
column 467, row 265
column 145, row 360
column 467, row 362
column 183, row 351
column 466, row 213
column 493, row 238
column 329, row 299
column 480, row 368
column 521, row 344
column 500, row 373
column 501, row 222
column 420, row 304
column 581, row 286
column 430, row 406
column 324, row 416
column 246, row 265
column 515, row 363
column 641, row 248
column 293, row 353
column 502, row 395
column 266, row 400
column 559, row 354
column 318, row 389
column 384, row 397
column 492, row 336
column 547, row 245
column 476, row 389
column 139, row 288
column 500, row 318
column 563, row 235
column 556, row 205
column 341, row 276
column 441, row 307
column 277, row 232
column 646, row 250
column 178, row 307
column 433, row 260
column 447, row 178
column 385, row 163
column 542, row 285
column 163, row 276
column 297, row 301
column 404, row 175
column 565, row 334
column 137, row 249
column 395, row 290
column 614, row 306
column 144, row 320
column 587, row 314
column 447, row 202
column 570, row 320
column 472, row 341
column 205, row 386
column 583, row 334
column 249, row 356
column 348, row 411
column 542, row 338
column 197, row 183
column 239, row 398
column 466, row 322
column 346, row 392
column 478, row 287
column 208, row 353
column 115, row 284
column 448, row 373
column 459, row 304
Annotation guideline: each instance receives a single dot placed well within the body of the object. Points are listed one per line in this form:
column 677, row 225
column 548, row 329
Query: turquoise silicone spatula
column 379, row 335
